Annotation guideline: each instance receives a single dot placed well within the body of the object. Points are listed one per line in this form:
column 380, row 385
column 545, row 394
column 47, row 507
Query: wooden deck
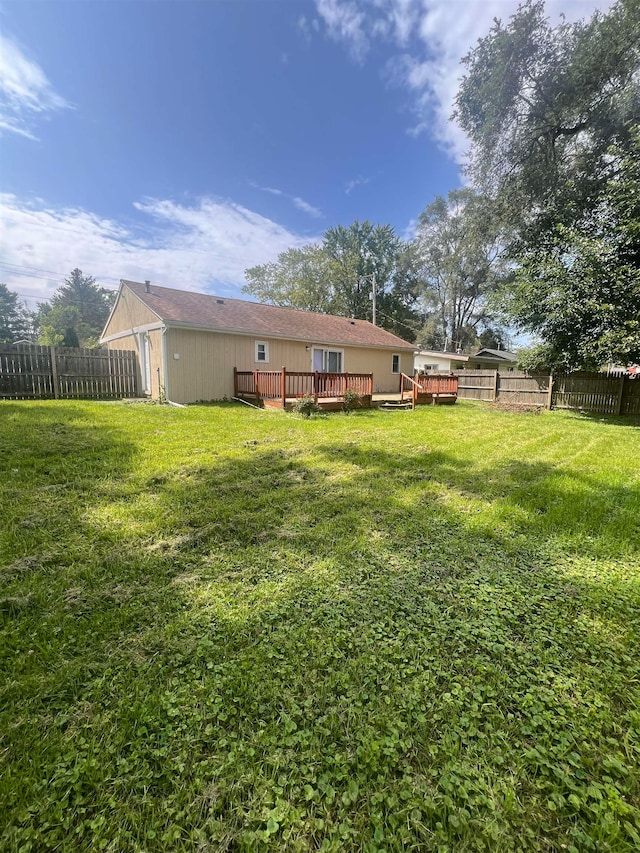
column 280, row 389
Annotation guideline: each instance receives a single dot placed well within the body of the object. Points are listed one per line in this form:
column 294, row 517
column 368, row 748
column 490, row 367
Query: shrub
column 352, row 400
column 306, row 406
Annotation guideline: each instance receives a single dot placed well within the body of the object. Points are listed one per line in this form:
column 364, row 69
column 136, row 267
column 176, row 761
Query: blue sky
column 185, row 141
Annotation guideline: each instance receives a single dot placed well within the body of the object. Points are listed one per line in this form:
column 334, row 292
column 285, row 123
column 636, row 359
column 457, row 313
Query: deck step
column 391, row 406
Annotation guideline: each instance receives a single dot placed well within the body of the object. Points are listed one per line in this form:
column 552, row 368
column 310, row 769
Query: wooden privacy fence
column 283, row 385
column 29, row 372
column 604, row 393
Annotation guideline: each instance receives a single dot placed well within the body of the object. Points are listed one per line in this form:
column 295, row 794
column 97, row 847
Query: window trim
column 325, row 351
column 399, row 370
column 264, row 360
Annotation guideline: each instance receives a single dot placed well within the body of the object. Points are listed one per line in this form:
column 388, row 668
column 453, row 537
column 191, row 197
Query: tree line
column 74, row 317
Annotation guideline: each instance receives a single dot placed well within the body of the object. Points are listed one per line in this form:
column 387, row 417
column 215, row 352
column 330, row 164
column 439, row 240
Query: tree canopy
column 459, row 263
column 15, row 320
column 550, row 113
column 76, row 314
column 336, row 277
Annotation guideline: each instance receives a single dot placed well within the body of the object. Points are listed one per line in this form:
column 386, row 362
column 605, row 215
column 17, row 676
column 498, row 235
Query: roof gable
column 500, row 354
column 202, row 311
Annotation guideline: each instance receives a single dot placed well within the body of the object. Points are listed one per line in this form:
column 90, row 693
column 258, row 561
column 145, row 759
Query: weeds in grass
column 229, row 632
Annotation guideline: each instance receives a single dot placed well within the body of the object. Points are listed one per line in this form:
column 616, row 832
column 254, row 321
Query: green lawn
column 225, row 629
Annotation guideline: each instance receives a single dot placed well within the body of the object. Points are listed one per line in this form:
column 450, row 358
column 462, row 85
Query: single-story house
column 189, row 343
column 492, row 359
column 431, row 361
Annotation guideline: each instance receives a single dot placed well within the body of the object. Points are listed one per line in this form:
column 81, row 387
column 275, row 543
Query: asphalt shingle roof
column 235, row 315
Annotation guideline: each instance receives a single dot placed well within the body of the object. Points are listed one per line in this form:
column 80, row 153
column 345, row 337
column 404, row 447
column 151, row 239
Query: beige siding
column 132, row 342
column 204, row 368
column 129, row 313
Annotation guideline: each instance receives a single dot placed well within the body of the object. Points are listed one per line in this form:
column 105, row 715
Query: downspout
column 165, row 371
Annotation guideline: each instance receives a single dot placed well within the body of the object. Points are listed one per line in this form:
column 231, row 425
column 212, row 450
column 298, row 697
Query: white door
column 318, row 360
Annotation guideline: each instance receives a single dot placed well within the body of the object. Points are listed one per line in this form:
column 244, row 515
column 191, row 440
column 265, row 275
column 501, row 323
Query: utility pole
column 372, row 293
column 373, row 296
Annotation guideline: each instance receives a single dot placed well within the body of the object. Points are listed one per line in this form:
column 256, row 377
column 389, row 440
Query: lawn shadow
column 324, row 639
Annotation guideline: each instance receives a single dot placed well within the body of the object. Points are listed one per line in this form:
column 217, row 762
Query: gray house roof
column 498, row 355
column 201, row 310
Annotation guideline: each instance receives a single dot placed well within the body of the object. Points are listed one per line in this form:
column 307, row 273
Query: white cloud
column 303, row 205
column 431, row 37
column 346, row 20
column 203, row 246
column 298, row 202
column 356, row 182
column 25, row 91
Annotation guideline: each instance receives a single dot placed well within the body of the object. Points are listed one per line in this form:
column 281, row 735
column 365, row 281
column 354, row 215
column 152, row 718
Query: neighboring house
column 431, row 361
column 493, row 359
column 189, row 343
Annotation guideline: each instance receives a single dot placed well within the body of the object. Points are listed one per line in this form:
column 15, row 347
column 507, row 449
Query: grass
column 232, row 630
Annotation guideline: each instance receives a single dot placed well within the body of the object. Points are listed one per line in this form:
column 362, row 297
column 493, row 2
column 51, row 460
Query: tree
column 550, row 113
column 78, row 312
column 58, row 326
column 582, row 295
column 337, row 277
column 15, row 320
column 460, row 264
column 300, row 278
column 542, row 105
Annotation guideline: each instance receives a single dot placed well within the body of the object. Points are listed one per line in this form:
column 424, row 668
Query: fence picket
column 38, row 372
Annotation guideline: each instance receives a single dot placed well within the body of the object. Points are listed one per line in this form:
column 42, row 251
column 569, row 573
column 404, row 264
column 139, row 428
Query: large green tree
column 77, row 312
column 337, row 276
column 582, row 295
column 459, row 258
column 550, row 114
column 542, row 105
column 15, row 320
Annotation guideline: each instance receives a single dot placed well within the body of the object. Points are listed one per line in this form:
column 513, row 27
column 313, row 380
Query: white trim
column 134, row 330
column 165, row 370
column 399, row 370
column 264, row 360
column 144, row 351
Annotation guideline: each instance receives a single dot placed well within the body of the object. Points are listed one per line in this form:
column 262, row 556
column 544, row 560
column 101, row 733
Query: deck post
column 255, row 383
column 315, row 385
column 370, row 384
column 283, row 387
column 235, row 381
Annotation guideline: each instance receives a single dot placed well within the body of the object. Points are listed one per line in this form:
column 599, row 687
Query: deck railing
column 435, row 384
column 412, row 387
column 287, row 384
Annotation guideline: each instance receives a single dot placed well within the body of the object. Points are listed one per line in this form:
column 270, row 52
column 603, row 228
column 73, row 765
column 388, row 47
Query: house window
column 395, row 363
column 327, row 360
column 262, row 352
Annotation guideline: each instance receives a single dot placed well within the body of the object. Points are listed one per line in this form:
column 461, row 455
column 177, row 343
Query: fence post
column 495, row 385
column 550, row 392
column 620, row 393
column 235, row 381
column 283, row 387
column 54, row 373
